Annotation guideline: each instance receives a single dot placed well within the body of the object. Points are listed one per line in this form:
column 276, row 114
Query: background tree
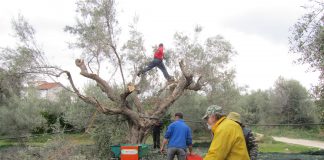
column 307, row 37
column 21, row 115
column 255, row 107
column 307, row 40
column 291, row 103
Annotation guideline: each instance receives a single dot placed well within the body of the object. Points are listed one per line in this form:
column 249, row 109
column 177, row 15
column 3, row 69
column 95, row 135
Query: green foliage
column 10, row 85
column 307, row 37
column 193, row 106
column 288, row 102
column 103, row 140
column 134, row 48
column 110, row 131
column 14, row 62
column 166, row 121
column 320, row 108
column 20, row 116
column 26, row 57
column 254, row 107
column 292, row 102
column 210, row 59
column 307, row 40
column 96, row 30
column 225, row 92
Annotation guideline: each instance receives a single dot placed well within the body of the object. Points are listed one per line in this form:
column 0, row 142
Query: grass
column 39, row 141
column 267, row 145
column 5, row 144
column 279, row 147
column 314, row 133
column 82, row 139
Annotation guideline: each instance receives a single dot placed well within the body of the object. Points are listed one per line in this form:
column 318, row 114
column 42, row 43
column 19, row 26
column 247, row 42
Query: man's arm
column 189, row 140
column 190, row 149
column 165, row 141
column 167, row 136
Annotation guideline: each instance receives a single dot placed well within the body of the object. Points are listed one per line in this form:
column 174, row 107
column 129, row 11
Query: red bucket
column 194, row 157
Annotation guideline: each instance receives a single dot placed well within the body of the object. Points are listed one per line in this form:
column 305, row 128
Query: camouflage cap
column 234, row 116
column 213, row 109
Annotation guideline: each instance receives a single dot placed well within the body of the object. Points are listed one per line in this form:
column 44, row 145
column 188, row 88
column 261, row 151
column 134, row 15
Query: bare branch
column 89, row 64
column 109, row 15
column 98, row 63
column 185, row 82
column 90, row 100
column 119, row 63
column 124, row 109
column 101, row 83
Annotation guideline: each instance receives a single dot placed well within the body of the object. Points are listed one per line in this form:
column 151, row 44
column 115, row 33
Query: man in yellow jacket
column 228, row 141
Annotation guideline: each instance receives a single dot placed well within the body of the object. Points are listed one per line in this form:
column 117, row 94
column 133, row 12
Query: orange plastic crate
column 194, row 157
column 129, row 153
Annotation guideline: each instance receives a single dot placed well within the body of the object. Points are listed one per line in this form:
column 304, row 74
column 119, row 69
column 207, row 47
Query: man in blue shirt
column 178, row 137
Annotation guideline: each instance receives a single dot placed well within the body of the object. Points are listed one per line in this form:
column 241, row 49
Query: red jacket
column 159, row 53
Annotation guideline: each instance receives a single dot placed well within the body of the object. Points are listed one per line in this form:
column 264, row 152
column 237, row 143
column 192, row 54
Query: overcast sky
column 257, row 29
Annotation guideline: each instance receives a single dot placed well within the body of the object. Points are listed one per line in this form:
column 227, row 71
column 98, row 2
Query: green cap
column 212, row 110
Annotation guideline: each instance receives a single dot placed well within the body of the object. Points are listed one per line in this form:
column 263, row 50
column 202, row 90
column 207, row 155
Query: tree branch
column 185, row 71
column 101, row 83
column 89, row 64
column 90, row 100
column 119, row 63
column 185, row 82
column 109, row 15
column 196, row 86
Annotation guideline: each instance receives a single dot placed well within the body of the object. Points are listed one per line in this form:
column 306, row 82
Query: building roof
column 48, row 86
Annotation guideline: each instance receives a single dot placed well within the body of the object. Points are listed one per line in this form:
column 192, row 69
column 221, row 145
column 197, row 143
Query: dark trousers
column 181, row 153
column 157, row 63
column 156, row 139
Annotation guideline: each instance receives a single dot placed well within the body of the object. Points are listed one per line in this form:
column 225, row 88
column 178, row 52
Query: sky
column 257, row 29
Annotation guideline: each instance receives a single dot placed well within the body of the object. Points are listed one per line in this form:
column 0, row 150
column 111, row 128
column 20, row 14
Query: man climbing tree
column 157, row 62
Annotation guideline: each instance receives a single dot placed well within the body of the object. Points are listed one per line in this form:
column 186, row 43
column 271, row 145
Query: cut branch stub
column 81, row 65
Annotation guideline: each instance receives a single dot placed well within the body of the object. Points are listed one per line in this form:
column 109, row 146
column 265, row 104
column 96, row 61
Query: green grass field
column 268, row 147
column 267, row 144
column 314, row 133
column 39, row 141
column 279, row 147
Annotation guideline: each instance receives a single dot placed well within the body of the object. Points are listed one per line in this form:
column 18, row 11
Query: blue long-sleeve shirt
column 178, row 135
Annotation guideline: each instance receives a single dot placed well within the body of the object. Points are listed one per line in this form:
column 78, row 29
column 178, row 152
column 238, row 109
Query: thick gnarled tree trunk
column 139, row 120
column 137, row 134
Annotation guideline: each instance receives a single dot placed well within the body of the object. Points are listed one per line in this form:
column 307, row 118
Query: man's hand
column 162, row 149
column 165, row 141
column 190, row 150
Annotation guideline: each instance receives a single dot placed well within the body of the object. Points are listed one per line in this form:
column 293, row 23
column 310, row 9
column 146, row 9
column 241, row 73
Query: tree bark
column 137, row 134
